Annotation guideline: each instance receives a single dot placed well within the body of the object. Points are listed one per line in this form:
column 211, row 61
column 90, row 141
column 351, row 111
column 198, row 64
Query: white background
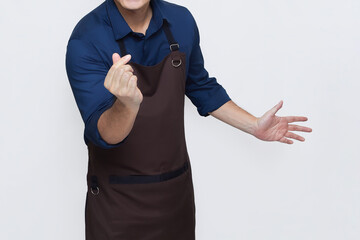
column 306, row 53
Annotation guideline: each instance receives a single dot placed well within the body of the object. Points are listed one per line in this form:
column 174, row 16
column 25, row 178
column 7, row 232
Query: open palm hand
column 274, row 128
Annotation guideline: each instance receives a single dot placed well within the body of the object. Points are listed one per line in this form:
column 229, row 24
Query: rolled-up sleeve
column 86, row 73
column 203, row 91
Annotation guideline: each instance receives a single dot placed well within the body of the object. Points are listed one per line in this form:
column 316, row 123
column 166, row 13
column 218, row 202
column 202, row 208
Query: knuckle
column 127, row 74
column 129, row 68
column 120, row 71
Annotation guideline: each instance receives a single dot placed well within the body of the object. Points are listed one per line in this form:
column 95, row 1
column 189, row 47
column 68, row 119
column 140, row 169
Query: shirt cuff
column 217, row 99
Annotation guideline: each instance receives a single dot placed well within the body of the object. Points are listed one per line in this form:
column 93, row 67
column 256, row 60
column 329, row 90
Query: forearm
column 235, row 116
column 116, row 122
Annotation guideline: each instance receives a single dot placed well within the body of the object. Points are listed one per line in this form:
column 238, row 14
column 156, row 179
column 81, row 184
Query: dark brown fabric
column 156, row 144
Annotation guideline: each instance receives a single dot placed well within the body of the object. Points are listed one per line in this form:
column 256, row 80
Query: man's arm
column 211, row 98
column 96, row 91
column 235, row 116
column 116, row 122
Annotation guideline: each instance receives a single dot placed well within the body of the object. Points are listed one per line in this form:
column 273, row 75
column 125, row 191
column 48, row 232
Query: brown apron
column 143, row 189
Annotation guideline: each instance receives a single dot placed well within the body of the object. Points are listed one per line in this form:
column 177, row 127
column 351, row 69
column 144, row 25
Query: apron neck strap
column 174, row 46
column 122, row 47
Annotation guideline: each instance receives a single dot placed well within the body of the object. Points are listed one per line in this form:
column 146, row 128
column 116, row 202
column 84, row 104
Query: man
column 132, row 104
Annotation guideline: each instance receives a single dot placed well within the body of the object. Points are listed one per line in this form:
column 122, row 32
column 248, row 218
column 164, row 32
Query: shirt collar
column 120, row 26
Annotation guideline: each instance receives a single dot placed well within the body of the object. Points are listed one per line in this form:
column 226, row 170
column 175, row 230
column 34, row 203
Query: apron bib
column 143, row 189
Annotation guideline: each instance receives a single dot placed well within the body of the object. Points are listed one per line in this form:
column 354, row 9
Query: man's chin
column 132, row 5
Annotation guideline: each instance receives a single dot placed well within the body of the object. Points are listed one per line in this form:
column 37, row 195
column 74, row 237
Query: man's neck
column 138, row 20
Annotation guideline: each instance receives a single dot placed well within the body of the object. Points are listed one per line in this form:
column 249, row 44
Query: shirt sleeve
column 86, row 73
column 203, row 91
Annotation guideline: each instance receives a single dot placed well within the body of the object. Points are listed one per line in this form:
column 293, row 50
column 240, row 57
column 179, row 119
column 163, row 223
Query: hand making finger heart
column 121, row 81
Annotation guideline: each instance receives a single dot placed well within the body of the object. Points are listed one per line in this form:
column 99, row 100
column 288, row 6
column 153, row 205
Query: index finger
column 125, row 59
column 291, row 119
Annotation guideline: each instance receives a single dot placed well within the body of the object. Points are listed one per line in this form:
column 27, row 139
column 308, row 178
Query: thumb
column 276, row 108
column 115, row 57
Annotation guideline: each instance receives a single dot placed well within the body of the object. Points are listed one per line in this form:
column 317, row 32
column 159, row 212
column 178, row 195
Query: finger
column 109, row 79
column 128, row 68
column 117, row 78
column 120, row 71
column 132, row 84
column 113, row 69
column 293, row 127
column 114, row 72
column 119, row 62
column 115, row 57
column 125, row 81
column 276, row 108
column 285, row 140
column 294, row 136
column 291, row 119
column 124, row 60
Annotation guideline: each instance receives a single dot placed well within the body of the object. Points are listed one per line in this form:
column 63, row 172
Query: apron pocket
column 141, row 179
column 154, row 210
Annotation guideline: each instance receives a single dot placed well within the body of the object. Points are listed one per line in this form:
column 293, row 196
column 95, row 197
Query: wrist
column 121, row 107
column 254, row 126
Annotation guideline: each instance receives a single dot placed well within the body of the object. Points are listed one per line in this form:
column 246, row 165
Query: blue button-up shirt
column 93, row 41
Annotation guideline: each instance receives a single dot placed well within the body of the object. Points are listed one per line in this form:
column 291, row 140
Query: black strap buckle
column 174, row 47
